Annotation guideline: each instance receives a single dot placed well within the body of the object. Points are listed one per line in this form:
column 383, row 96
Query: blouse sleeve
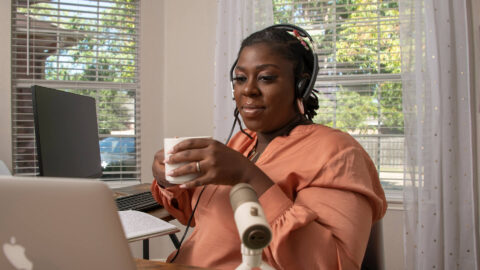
column 328, row 224
column 175, row 200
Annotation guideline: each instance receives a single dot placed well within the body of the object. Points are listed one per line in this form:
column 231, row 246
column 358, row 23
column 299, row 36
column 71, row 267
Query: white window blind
column 359, row 82
column 88, row 47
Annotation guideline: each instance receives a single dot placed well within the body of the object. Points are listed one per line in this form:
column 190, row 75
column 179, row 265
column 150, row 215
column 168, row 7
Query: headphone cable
column 188, row 225
column 236, row 113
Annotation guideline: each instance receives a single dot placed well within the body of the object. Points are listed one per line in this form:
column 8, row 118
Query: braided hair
column 294, row 50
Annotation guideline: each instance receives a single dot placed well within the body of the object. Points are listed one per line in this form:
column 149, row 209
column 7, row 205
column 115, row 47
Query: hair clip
column 300, row 38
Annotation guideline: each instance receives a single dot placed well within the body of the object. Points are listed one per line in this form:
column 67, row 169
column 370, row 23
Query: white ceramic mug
column 168, row 144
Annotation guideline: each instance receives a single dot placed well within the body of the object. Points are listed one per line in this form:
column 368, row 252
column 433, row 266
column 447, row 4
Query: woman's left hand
column 218, row 164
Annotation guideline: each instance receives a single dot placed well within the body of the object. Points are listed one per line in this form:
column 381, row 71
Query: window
column 359, row 82
column 88, row 47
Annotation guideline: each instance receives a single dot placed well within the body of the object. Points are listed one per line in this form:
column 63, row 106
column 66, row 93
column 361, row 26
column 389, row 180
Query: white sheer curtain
column 236, row 19
column 441, row 225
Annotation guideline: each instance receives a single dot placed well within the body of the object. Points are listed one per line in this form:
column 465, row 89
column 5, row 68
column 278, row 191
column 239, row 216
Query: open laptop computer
column 59, row 223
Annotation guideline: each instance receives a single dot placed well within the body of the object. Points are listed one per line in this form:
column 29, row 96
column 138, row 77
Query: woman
column 318, row 188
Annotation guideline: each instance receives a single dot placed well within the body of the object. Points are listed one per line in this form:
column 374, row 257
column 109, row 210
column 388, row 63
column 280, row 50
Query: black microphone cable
column 236, row 113
column 188, row 225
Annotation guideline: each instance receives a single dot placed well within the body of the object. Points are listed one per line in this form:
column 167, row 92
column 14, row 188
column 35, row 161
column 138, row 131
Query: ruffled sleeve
column 175, row 200
column 327, row 224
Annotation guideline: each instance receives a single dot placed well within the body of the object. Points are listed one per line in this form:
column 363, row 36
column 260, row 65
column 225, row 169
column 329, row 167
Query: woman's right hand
column 158, row 169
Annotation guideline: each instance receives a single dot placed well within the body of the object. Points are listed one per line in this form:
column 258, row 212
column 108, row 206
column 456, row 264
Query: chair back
column 374, row 258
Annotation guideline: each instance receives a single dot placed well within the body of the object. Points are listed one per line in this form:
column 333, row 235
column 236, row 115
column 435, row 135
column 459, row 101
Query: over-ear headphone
column 302, row 89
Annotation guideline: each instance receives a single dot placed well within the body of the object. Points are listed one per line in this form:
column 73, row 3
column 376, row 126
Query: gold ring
column 198, row 166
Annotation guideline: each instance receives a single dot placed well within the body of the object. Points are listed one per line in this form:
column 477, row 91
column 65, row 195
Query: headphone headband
column 304, row 34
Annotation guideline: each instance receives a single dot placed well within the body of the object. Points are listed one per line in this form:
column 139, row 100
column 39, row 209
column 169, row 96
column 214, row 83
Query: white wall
column 152, row 74
column 393, row 237
column 189, row 62
column 177, row 59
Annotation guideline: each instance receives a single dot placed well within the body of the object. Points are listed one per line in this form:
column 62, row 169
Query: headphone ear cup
column 301, row 87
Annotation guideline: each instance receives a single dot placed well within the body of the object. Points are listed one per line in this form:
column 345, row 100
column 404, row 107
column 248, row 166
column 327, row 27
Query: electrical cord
column 188, row 225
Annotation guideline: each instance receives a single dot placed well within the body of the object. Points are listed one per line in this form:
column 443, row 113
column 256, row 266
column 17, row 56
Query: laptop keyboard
column 143, row 201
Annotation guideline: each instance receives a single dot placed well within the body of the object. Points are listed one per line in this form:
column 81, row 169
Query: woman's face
column 264, row 88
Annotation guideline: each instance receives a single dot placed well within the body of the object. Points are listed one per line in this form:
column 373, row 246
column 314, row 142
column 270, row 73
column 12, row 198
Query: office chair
column 373, row 258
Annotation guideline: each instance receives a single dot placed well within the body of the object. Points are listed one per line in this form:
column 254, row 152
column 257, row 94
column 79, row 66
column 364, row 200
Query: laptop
column 60, row 223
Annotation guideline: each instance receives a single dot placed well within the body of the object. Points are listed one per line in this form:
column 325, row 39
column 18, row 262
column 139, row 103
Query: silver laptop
column 58, row 223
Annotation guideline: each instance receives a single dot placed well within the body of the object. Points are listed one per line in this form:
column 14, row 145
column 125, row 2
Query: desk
column 159, row 213
column 155, row 265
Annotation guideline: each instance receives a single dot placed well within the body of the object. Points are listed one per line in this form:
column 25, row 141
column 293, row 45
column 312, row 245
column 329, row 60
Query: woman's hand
column 158, row 169
column 218, row 164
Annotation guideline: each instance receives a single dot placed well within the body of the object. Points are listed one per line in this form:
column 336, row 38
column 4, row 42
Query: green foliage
column 391, row 108
column 98, row 50
column 347, row 110
column 353, row 38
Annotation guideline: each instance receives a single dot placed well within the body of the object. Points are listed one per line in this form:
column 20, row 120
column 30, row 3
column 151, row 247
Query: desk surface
column 123, row 191
column 151, row 265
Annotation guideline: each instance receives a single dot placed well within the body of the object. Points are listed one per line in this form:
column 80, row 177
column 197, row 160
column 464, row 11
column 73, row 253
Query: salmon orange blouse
column 325, row 198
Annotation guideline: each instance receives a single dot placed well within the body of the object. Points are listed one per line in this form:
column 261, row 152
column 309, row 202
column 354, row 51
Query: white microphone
column 252, row 225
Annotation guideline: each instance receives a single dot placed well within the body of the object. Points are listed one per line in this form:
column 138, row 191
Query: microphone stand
column 252, row 259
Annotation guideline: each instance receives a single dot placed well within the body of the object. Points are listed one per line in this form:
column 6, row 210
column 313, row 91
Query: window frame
column 294, row 12
column 35, row 37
